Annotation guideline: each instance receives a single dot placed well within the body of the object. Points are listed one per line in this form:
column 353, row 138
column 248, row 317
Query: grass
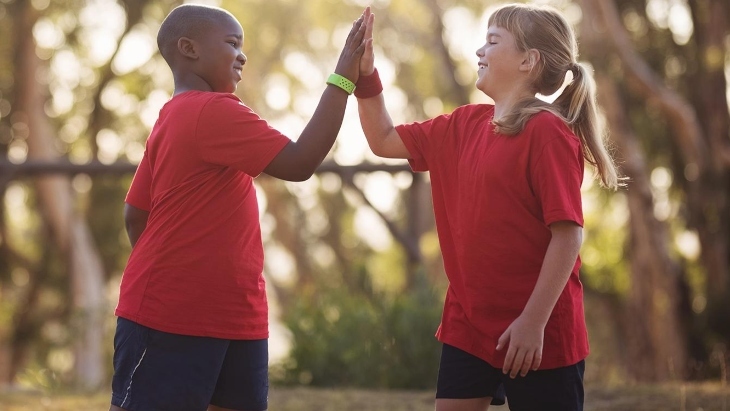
column 664, row 397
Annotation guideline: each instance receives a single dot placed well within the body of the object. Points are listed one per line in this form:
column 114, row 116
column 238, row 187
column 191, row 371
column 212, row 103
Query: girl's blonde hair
column 545, row 30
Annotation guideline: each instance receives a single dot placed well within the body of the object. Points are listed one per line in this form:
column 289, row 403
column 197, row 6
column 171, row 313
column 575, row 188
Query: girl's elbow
column 378, row 149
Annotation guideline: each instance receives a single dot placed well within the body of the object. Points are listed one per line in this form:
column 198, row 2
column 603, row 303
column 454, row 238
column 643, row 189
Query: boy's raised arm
column 298, row 160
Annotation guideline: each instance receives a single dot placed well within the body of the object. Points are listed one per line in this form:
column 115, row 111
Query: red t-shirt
column 197, row 267
column 494, row 198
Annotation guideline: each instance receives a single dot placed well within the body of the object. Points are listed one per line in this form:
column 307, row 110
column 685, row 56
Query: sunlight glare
column 351, row 143
column 381, row 191
column 688, row 244
column 277, row 94
column 280, row 265
column 302, row 66
column 136, row 49
column 680, row 22
column 110, row 145
column 370, row 228
column 460, row 27
column 134, row 151
column 18, row 151
column 102, row 23
column 289, row 124
column 674, row 15
column 150, row 109
column 661, row 178
column 48, row 35
column 62, row 100
column 66, row 68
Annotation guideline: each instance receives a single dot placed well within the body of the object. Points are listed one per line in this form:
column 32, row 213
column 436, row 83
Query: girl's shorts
column 465, row 376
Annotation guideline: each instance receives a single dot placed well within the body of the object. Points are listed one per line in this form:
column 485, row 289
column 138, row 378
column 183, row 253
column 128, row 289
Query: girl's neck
column 504, row 105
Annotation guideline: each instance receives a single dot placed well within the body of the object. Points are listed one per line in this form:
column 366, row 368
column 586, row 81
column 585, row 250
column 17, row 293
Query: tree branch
column 680, row 113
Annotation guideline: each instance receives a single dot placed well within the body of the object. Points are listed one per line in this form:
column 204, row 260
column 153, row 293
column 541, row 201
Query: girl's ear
column 532, row 57
column 188, row 48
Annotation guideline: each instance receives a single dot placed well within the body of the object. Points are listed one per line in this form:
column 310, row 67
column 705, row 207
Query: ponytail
column 577, row 104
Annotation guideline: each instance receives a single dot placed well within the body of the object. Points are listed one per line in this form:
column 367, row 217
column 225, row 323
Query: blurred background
column 353, row 266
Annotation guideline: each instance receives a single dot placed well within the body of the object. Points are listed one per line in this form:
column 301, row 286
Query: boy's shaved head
column 188, row 20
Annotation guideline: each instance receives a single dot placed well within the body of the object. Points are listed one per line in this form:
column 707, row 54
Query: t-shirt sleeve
column 230, row 134
column 424, row 139
column 139, row 192
column 557, row 174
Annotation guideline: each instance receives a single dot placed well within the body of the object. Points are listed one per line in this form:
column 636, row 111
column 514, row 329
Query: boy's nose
column 242, row 57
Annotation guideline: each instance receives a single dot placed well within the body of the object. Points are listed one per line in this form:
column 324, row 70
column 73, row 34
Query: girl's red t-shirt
column 197, row 268
column 494, row 198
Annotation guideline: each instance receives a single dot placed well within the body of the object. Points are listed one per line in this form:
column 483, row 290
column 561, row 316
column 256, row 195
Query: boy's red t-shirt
column 495, row 197
column 197, row 268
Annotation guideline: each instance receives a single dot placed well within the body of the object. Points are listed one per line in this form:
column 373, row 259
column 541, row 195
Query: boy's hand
column 348, row 65
column 367, row 62
column 525, row 339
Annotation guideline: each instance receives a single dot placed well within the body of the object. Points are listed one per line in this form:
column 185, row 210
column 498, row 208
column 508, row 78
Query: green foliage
column 373, row 340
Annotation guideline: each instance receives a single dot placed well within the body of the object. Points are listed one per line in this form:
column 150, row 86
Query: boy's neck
column 187, row 81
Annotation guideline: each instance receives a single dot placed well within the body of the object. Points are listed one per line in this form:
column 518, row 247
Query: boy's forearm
column 557, row 266
column 320, row 134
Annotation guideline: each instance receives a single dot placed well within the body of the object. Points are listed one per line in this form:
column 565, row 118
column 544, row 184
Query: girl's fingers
column 537, row 361
column 517, row 365
column 369, row 30
column 508, row 359
column 527, row 363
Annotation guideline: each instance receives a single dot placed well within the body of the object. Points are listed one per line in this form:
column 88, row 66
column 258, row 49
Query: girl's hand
column 525, row 339
column 367, row 62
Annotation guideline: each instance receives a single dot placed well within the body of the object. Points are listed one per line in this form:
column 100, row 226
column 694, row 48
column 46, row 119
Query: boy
column 192, row 328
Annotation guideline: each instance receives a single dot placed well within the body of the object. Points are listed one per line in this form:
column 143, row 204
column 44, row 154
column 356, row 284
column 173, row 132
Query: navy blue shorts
column 465, row 376
column 154, row 370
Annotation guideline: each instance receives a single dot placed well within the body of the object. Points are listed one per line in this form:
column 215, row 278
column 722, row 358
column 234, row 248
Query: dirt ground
column 666, row 397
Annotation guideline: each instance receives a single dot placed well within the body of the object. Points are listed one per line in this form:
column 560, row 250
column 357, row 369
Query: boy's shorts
column 154, row 370
column 464, row 376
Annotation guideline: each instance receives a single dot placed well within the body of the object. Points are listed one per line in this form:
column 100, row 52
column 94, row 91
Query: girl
column 506, row 192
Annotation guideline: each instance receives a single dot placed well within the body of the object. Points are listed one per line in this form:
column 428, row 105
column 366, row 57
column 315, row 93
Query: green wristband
column 341, row 82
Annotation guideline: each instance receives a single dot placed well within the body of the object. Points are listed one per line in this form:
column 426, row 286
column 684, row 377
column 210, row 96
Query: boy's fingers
column 359, row 36
column 360, row 50
column 356, row 34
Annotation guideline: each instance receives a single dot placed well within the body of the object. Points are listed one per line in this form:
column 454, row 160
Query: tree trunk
column 700, row 133
column 56, row 200
column 710, row 210
column 657, row 350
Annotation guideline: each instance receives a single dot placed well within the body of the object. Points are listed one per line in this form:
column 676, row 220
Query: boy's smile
column 221, row 59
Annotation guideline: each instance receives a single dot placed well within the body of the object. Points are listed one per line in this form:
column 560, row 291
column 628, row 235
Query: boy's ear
column 532, row 57
column 187, row 47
